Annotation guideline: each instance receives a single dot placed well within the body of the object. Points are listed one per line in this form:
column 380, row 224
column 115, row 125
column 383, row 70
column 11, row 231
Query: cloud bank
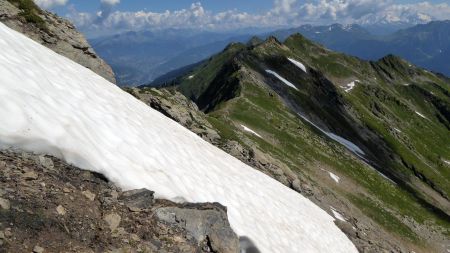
column 283, row 13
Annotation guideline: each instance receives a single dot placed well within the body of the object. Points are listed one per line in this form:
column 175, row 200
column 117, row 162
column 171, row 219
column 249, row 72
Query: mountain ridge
column 376, row 107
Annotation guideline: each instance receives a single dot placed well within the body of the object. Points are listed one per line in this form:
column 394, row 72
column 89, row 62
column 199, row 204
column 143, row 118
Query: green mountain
column 368, row 141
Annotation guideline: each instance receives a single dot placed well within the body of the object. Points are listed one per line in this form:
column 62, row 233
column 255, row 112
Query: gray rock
column 61, row 210
column 4, row 204
column 38, row 249
column 89, row 195
column 59, row 35
column 30, row 175
column 46, row 162
column 204, row 224
column 138, row 199
column 113, row 221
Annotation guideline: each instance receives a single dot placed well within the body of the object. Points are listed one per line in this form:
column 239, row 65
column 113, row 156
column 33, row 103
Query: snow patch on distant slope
column 281, row 78
column 337, row 215
column 350, row 86
column 421, row 115
column 334, row 177
column 346, row 143
column 250, row 131
column 52, row 105
column 298, row 64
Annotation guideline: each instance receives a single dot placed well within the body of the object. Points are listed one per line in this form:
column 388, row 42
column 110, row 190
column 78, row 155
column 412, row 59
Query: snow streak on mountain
column 52, row 105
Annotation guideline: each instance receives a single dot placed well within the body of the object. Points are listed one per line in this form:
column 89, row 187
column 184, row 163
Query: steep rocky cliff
column 53, row 32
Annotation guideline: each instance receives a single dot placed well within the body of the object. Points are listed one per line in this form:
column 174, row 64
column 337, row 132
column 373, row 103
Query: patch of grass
column 384, row 218
column 30, row 12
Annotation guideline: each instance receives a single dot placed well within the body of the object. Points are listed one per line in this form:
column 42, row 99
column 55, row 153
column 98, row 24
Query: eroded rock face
column 51, row 211
column 177, row 107
column 59, row 35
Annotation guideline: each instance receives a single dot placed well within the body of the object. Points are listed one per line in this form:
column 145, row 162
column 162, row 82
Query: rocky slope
column 47, row 205
column 364, row 140
column 53, row 32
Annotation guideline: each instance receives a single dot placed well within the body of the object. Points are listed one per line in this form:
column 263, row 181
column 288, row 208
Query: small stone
column 66, row 190
column 38, row 249
column 61, row 210
column 135, row 209
column 43, row 185
column 30, row 175
column 4, row 204
column 46, row 162
column 89, row 195
column 135, row 237
column 119, row 232
column 8, row 232
column 114, row 194
column 113, row 220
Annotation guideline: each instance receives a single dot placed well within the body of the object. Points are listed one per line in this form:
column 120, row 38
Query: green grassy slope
column 398, row 114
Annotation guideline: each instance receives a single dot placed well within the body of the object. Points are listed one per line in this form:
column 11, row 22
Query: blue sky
column 114, row 16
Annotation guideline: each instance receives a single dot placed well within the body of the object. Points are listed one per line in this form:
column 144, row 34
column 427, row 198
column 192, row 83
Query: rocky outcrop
column 177, row 107
column 47, row 205
column 55, row 33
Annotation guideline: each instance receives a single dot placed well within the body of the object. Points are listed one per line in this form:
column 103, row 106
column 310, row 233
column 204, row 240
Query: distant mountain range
column 141, row 57
column 426, row 45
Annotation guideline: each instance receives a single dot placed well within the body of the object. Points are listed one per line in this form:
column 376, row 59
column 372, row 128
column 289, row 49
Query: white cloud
column 110, row 2
column 283, row 13
column 46, row 4
column 283, row 6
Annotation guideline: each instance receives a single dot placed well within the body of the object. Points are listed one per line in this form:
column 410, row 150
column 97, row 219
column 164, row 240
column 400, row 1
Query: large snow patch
column 298, row 64
column 284, row 80
column 52, row 105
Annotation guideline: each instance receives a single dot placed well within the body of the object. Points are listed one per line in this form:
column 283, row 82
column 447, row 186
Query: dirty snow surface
column 281, row 78
column 298, row 64
column 52, row 105
column 250, row 131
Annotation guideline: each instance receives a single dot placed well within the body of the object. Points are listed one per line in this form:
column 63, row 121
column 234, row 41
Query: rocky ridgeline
column 47, row 205
column 53, row 32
